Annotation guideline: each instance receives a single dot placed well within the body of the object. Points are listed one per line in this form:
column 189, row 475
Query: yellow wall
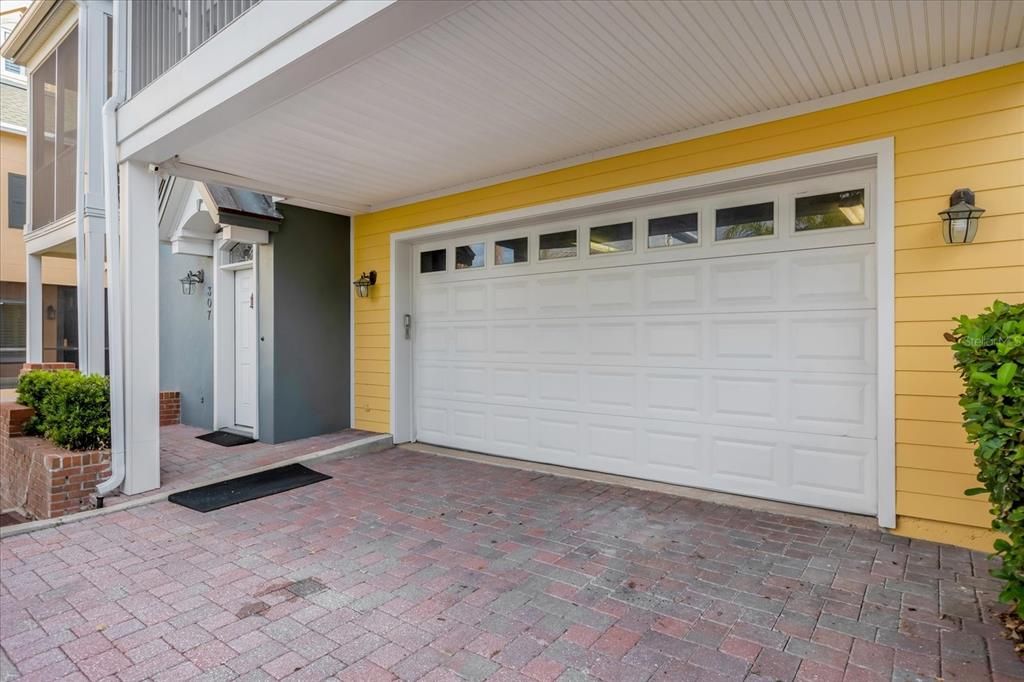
column 12, row 247
column 967, row 132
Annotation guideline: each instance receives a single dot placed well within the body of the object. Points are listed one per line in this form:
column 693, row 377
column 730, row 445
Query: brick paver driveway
column 414, row 566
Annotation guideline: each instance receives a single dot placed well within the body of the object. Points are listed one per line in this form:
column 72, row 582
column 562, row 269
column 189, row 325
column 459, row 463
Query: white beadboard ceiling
column 501, row 87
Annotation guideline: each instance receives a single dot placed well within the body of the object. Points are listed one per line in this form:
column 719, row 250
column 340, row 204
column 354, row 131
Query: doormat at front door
column 226, row 438
column 246, row 488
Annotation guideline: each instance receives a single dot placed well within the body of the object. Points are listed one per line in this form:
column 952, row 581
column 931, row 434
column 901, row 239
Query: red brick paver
column 416, row 567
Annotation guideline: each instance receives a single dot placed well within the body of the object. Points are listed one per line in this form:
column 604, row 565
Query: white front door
column 726, row 342
column 245, row 350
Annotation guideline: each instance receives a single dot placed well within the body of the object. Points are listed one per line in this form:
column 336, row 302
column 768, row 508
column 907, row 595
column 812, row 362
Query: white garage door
column 726, row 342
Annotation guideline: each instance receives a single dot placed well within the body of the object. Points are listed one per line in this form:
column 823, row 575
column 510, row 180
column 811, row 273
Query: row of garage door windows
column 820, row 211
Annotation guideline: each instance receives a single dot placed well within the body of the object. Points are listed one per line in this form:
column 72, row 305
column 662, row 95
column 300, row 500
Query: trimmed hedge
column 989, row 352
column 72, row 409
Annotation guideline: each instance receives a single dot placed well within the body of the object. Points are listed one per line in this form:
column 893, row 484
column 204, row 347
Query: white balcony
column 163, row 32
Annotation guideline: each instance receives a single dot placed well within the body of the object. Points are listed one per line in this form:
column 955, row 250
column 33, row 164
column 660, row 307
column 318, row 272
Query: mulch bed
column 1014, row 631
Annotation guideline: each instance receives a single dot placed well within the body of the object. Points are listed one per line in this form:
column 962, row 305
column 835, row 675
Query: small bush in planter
column 72, row 409
column 989, row 352
column 32, row 388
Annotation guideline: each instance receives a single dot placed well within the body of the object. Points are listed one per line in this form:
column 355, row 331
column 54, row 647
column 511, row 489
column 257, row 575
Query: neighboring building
column 696, row 243
column 58, row 301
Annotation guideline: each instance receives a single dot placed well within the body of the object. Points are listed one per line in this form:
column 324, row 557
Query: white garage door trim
column 877, row 153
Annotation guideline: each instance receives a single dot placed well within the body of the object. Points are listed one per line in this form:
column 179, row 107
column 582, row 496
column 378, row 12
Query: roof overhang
column 36, row 26
column 424, row 99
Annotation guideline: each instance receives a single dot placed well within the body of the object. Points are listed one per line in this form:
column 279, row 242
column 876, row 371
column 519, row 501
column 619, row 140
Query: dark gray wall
column 304, row 284
column 186, row 337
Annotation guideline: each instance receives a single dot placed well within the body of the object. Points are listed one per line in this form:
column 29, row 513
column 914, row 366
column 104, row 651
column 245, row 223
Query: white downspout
column 112, row 209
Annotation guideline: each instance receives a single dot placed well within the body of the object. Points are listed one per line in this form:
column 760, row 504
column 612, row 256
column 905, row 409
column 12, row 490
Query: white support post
column 92, row 65
column 141, row 305
column 34, row 307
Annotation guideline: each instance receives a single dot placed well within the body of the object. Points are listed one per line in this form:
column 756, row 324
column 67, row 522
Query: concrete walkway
column 413, row 566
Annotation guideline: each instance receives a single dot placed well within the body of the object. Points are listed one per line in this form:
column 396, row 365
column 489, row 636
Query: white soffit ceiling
column 500, row 87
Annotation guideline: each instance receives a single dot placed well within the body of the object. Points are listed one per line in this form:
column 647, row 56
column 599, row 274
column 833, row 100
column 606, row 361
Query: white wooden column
column 141, row 326
column 34, row 307
column 92, row 77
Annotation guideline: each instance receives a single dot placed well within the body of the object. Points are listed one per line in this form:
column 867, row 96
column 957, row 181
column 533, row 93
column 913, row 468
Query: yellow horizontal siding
column 966, row 132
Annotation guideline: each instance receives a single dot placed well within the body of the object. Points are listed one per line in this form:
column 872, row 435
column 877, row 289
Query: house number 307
column 209, row 303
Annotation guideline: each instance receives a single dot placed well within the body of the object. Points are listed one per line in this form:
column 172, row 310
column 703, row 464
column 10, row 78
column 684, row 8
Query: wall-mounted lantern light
column 51, row 312
column 190, row 280
column 960, row 220
column 364, row 283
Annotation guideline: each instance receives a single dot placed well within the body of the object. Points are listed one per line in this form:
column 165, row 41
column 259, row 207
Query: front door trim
column 881, row 152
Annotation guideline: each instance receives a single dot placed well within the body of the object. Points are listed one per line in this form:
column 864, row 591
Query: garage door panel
column 839, row 278
column 833, row 278
column 815, row 403
column 824, row 470
column 745, row 283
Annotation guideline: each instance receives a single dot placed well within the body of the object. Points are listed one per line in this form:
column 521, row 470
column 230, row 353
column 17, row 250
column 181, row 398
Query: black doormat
column 226, row 438
column 245, row 488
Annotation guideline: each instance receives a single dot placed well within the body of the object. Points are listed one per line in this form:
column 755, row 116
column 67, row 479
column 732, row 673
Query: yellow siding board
column 961, row 510
column 963, row 132
column 978, row 178
column 946, row 307
column 941, row 483
column 928, row 383
column 935, row 458
column 960, row 130
column 372, row 391
column 926, row 359
column 972, row 537
column 371, row 425
column 381, row 354
column 963, row 155
column 945, row 258
column 922, row 333
column 964, row 282
column 930, row 433
column 929, row 408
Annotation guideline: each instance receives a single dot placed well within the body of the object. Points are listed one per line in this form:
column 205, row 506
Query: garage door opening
column 725, row 339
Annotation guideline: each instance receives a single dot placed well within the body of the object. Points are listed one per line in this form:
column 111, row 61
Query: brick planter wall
column 170, row 408
column 40, row 479
column 48, row 366
column 59, row 481
column 13, row 471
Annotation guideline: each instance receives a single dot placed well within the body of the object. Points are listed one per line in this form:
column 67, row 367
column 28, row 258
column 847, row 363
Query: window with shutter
column 15, row 200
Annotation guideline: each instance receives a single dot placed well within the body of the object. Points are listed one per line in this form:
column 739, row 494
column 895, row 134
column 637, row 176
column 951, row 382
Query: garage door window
column 510, row 251
column 616, row 238
column 742, row 222
column 433, row 261
column 469, row 256
column 558, row 245
column 823, row 211
column 672, row 230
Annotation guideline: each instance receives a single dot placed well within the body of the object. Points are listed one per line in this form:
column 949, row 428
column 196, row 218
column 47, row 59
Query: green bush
column 989, row 352
column 72, row 409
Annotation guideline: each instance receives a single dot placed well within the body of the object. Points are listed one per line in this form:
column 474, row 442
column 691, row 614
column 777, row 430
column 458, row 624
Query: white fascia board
column 268, row 54
column 192, row 247
column 244, row 235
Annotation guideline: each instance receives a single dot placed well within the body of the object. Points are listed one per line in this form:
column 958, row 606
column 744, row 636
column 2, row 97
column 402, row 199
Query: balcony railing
column 163, row 32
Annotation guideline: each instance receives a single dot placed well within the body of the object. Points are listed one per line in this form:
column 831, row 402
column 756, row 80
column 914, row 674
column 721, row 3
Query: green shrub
column 32, row 388
column 72, row 409
column 989, row 351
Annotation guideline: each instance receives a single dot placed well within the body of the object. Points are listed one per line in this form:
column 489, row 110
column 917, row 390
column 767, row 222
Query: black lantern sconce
column 190, row 280
column 960, row 220
column 364, row 283
column 51, row 312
